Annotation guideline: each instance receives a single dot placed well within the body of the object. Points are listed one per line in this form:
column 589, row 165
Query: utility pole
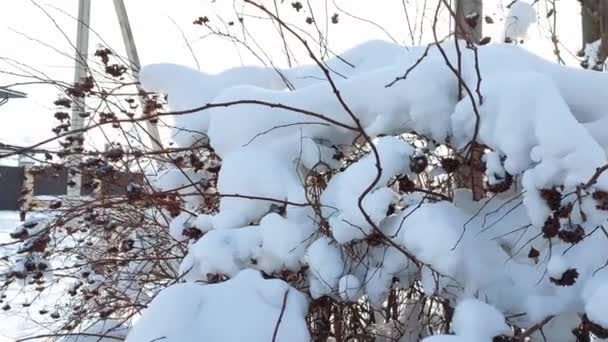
column 80, row 74
column 79, row 105
column 127, row 37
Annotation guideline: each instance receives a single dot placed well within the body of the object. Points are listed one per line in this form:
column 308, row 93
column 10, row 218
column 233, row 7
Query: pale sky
column 25, row 30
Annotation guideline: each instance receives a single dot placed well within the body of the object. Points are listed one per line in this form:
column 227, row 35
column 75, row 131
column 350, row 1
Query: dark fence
column 11, row 183
column 53, row 181
column 50, row 181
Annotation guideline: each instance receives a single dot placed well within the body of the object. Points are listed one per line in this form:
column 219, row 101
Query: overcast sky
column 31, row 40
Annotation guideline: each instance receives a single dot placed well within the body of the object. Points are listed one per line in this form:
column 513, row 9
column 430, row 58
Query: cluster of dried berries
column 418, row 164
column 450, row 165
column 192, row 233
column 552, row 197
column 297, row 6
column 81, row 89
column 63, row 102
column 551, row 227
column 61, row 116
column 61, row 128
column 201, row 20
column 405, row 184
column 105, row 117
column 104, row 54
column 568, row 278
column 601, row 198
column 501, row 186
column 151, row 106
column 116, row 70
column 572, row 235
column 594, row 328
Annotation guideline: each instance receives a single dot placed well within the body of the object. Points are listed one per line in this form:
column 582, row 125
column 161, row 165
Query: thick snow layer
column 478, row 320
column 326, row 267
column 519, row 19
column 596, row 308
column 474, row 321
column 342, row 194
column 244, row 308
column 276, row 244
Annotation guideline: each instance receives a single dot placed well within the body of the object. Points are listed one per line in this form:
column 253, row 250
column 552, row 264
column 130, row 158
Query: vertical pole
column 470, row 18
column 127, row 36
column 78, row 109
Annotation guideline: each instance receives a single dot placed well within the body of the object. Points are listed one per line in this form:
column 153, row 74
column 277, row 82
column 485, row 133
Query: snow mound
column 244, row 308
column 519, row 19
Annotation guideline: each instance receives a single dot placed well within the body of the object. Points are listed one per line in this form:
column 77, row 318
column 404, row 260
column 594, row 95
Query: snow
column 595, row 306
column 474, row 321
column 350, row 287
column 274, row 245
column 430, row 232
column 342, row 194
column 556, row 266
column 244, row 308
column 326, row 267
column 519, row 19
column 179, row 224
column 470, row 313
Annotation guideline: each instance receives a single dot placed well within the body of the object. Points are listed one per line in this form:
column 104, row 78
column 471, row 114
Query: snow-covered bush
column 346, row 188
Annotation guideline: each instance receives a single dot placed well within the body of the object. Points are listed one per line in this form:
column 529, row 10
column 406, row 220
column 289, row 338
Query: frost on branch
column 349, row 196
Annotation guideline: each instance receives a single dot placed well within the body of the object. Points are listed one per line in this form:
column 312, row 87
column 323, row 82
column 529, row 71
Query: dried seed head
column 568, row 278
column 551, row 227
column 552, row 197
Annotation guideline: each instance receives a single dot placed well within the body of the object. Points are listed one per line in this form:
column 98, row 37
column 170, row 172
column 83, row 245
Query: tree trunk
column 590, row 23
column 594, row 15
column 469, row 21
column 603, row 29
column 469, row 26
